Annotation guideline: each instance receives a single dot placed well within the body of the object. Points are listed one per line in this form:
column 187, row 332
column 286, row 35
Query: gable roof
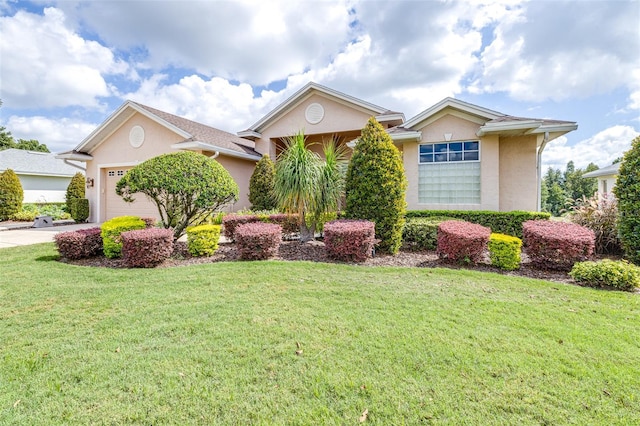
column 494, row 121
column 611, row 170
column 381, row 114
column 24, row 162
column 196, row 135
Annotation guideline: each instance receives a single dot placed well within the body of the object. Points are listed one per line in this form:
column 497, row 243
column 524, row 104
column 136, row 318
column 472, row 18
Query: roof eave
column 406, row 136
column 455, row 104
column 203, row 146
column 75, row 156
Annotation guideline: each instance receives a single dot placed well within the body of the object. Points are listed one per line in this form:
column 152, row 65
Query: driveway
column 26, row 236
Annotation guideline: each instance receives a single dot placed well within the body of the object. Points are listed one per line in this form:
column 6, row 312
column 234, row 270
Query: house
column 456, row 155
column 44, row 178
column 606, row 176
column 135, row 133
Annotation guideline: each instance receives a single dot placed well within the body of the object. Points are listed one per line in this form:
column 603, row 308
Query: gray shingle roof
column 35, row 163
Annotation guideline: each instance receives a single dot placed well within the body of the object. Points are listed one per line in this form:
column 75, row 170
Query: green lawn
column 216, row 344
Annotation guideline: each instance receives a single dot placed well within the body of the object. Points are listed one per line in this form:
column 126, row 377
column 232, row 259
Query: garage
column 115, row 206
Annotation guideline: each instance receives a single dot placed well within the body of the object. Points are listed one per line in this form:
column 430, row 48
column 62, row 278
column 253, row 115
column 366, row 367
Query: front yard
column 309, row 343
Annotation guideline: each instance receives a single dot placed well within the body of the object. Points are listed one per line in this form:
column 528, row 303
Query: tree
column 577, row 187
column 31, row 145
column 307, row 185
column 185, row 186
column 6, row 139
column 376, row 185
column 75, row 191
column 627, row 192
column 261, row 185
column 11, row 194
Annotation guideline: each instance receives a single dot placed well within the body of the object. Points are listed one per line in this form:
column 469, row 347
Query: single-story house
column 44, row 178
column 456, row 155
column 606, row 176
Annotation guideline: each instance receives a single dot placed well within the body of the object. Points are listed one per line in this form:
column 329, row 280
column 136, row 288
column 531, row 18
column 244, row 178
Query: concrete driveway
column 26, row 236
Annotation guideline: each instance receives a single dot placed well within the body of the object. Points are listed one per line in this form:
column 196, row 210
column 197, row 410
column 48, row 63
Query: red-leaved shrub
column 462, row 241
column 231, row 221
column 289, row 223
column 80, row 243
column 258, row 240
column 149, row 222
column 557, row 245
column 146, row 248
column 350, row 240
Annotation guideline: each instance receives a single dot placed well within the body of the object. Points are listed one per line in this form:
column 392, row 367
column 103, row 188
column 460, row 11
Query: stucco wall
column 44, row 189
column 240, row 171
column 518, row 174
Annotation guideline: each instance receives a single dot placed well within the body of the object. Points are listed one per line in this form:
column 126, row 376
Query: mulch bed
column 314, row 251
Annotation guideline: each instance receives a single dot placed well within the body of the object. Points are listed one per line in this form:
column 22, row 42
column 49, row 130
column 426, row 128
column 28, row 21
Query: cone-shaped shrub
column 261, row 185
column 11, row 194
column 75, row 190
column 376, row 185
column 627, row 191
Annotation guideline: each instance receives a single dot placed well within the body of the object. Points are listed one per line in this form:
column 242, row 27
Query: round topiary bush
column 376, row 185
column 11, row 194
column 627, row 191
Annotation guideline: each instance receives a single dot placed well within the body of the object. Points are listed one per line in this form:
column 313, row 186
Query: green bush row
column 607, row 273
column 421, row 233
column 509, row 223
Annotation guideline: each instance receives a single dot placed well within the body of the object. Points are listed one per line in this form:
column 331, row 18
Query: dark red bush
column 258, row 240
column 289, row 223
column 80, row 243
column 146, row 248
column 149, row 222
column 350, row 240
column 231, row 221
column 557, row 245
column 462, row 241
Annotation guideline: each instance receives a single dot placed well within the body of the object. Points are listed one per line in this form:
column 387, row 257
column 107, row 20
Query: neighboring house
column 606, row 178
column 456, row 155
column 134, row 133
column 44, row 178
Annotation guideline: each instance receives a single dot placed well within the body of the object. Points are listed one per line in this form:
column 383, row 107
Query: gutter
column 539, row 171
column 77, row 166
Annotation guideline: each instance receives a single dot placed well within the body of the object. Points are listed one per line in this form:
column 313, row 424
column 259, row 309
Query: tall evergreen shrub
column 11, row 194
column 376, row 185
column 261, row 185
column 75, row 189
column 627, row 191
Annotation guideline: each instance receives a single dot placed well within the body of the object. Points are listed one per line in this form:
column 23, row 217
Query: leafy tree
column 6, row 139
column 627, row 191
column 555, row 198
column 261, row 185
column 11, row 194
column 376, row 185
column 31, row 145
column 307, row 185
column 185, row 186
column 577, row 187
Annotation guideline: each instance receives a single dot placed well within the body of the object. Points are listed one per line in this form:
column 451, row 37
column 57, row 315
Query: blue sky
column 65, row 66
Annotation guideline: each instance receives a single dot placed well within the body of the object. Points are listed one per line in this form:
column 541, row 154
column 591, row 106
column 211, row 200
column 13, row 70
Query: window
column 111, row 173
column 450, row 152
column 449, row 173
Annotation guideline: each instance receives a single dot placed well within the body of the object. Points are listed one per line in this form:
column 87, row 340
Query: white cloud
column 44, row 64
column 601, row 149
column 578, row 50
column 58, row 134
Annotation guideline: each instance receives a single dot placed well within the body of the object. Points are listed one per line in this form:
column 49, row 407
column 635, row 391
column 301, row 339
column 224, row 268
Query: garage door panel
column 114, row 204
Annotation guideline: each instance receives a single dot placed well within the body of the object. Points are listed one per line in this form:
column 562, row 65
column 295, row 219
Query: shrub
column 231, row 221
column 607, row 273
column 350, row 240
column 289, row 222
column 376, row 185
column 600, row 214
column 462, row 241
column 505, row 251
column 557, row 245
column 146, row 248
column 80, row 243
column 149, row 222
column 627, row 191
column 258, row 240
column 11, row 194
column 203, row 240
column 509, row 223
column 75, row 190
column 79, row 209
column 261, row 185
column 185, row 186
column 421, row 233
column 24, row 216
column 111, row 230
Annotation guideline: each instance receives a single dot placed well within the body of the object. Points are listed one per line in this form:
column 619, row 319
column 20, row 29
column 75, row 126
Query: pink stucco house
column 456, row 155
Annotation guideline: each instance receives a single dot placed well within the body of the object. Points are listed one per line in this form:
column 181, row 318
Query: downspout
column 215, row 155
column 539, row 169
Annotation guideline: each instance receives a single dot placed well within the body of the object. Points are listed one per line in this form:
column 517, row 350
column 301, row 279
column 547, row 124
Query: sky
column 65, row 66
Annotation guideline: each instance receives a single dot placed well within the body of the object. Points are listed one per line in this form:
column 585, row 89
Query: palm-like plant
column 307, row 185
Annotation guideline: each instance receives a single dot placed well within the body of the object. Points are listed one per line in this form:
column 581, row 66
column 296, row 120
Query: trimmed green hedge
column 505, row 251
column 111, row 230
column 203, row 240
column 421, row 233
column 509, row 223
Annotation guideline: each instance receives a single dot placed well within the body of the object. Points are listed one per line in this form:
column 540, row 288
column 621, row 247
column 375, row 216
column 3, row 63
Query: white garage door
column 116, row 206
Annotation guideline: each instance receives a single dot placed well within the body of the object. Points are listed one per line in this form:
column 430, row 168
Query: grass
column 217, row 343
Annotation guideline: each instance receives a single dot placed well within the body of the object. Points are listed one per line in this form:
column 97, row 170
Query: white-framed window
column 114, row 173
column 449, row 173
column 111, row 173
